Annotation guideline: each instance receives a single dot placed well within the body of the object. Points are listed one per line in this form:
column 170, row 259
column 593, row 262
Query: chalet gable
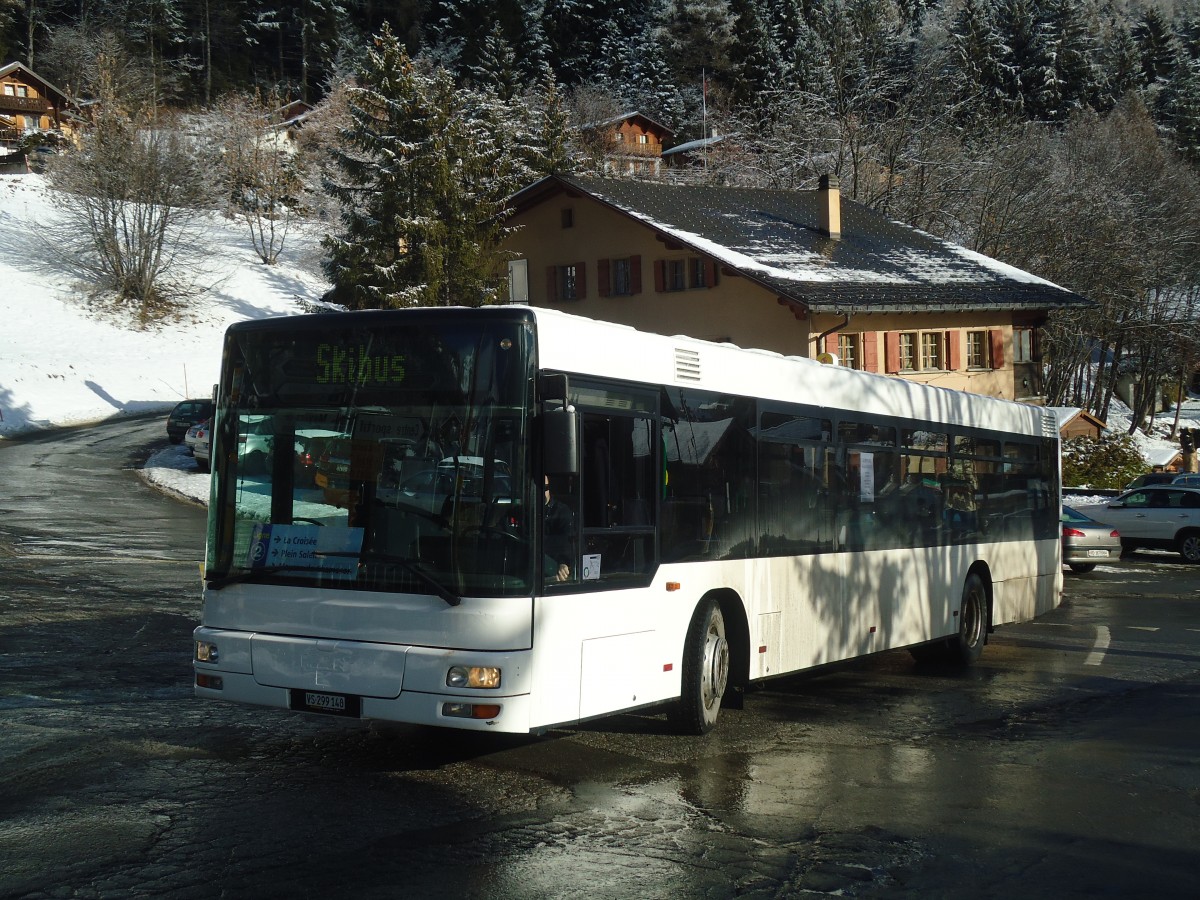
column 632, row 142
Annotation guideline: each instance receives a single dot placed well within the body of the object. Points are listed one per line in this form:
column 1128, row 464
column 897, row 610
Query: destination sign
column 338, row 364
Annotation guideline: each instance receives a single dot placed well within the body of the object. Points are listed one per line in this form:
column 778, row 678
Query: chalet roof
column 628, row 117
column 1065, row 415
column 772, row 237
column 697, row 144
column 12, row 67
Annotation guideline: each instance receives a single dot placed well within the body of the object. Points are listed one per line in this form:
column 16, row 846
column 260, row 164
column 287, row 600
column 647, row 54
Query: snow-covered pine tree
column 424, row 173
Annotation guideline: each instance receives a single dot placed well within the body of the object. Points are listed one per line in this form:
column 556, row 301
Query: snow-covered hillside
column 63, row 365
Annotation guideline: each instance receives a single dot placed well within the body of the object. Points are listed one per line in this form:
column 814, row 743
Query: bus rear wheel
column 966, row 647
column 705, row 671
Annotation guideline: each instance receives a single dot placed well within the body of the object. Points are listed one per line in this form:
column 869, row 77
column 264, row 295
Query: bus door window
column 618, row 475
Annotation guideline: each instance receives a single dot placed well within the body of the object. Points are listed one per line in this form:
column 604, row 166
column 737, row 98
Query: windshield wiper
column 411, row 565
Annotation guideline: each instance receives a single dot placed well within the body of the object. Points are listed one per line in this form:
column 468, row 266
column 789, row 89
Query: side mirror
column 559, row 443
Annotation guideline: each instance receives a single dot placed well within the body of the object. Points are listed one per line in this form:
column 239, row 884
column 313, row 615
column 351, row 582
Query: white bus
column 380, row 544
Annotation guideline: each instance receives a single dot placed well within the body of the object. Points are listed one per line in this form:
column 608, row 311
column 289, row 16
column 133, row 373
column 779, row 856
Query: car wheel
column 705, row 671
column 1082, row 567
column 1127, row 546
column 202, row 465
column 1189, row 546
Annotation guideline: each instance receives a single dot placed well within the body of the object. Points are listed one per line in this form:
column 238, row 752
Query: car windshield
column 380, row 459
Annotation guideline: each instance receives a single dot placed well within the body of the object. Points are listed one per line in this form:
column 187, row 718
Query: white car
column 1159, row 516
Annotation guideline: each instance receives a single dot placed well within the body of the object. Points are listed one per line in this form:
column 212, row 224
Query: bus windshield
column 375, row 457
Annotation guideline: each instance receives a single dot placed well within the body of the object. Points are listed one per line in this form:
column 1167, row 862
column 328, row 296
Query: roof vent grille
column 1049, row 426
column 687, row 364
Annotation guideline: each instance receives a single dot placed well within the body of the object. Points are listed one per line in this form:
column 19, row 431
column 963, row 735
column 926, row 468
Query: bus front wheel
column 705, row 671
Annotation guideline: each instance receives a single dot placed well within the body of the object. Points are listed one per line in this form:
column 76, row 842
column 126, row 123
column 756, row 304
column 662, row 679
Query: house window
column 22, row 91
column 675, row 275
column 1023, row 345
column 568, row 218
column 908, row 351
column 643, row 139
column 568, row 284
column 848, row 350
column 697, row 273
column 977, row 350
column 10, row 90
column 565, row 283
column 931, row 349
column 622, row 284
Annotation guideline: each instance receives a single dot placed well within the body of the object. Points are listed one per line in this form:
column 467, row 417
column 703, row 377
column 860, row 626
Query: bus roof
column 586, row 346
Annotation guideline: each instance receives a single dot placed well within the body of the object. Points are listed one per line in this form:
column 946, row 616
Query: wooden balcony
column 39, row 105
column 629, row 148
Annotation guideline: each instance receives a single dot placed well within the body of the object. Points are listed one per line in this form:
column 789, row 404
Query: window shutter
column 954, row 347
column 996, row 338
column 710, row 273
column 580, row 281
column 891, row 352
column 830, row 343
column 870, row 351
column 551, row 284
column 603, row 277
column 635, row 274
column 660, row 275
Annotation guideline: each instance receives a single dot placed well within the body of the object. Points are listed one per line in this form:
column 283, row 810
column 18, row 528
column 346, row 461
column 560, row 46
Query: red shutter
column 997, row 340
column 635, row 274
column 954, row 345
column 891, row 352
column 870, row 351
column 603, row 275
column 580, row 281
column 660, row 275
column 710, row 273
column 551, row 284
column 830, row 343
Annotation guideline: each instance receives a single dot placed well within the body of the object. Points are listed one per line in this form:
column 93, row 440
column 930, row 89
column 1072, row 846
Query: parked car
column 1156, row 478
column 1086, row 543
column 202, row 446
column 193, row 434
column 1161, row 516
column 186, row 414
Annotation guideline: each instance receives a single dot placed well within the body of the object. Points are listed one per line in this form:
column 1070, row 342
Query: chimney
column 829, row 203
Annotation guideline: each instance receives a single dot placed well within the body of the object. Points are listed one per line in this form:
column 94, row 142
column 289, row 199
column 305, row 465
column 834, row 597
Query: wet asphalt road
column 1064, row 765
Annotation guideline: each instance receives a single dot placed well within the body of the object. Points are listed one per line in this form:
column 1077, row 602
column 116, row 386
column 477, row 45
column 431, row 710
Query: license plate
column 1103, row 553
column 326, row 704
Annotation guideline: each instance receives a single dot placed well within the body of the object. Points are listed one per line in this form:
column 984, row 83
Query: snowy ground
column 62, row 364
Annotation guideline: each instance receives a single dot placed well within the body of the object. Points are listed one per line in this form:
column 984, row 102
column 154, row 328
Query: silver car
column 1086, row 543
column 1160, row 516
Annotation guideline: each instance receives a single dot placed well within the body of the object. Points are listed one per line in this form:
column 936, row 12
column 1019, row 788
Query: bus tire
column 705, row 672
column 967, row 645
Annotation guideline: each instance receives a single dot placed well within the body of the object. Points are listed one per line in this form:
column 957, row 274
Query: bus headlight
column 473, row 677
column 206, row 652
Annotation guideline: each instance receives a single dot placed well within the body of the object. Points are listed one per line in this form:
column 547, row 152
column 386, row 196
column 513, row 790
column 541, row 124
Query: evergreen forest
column 1062, row 137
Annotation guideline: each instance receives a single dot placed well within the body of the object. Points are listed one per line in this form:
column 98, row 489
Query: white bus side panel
column 603, row 652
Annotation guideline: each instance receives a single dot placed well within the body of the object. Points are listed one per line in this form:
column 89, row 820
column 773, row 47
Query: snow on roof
column 877, row 264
